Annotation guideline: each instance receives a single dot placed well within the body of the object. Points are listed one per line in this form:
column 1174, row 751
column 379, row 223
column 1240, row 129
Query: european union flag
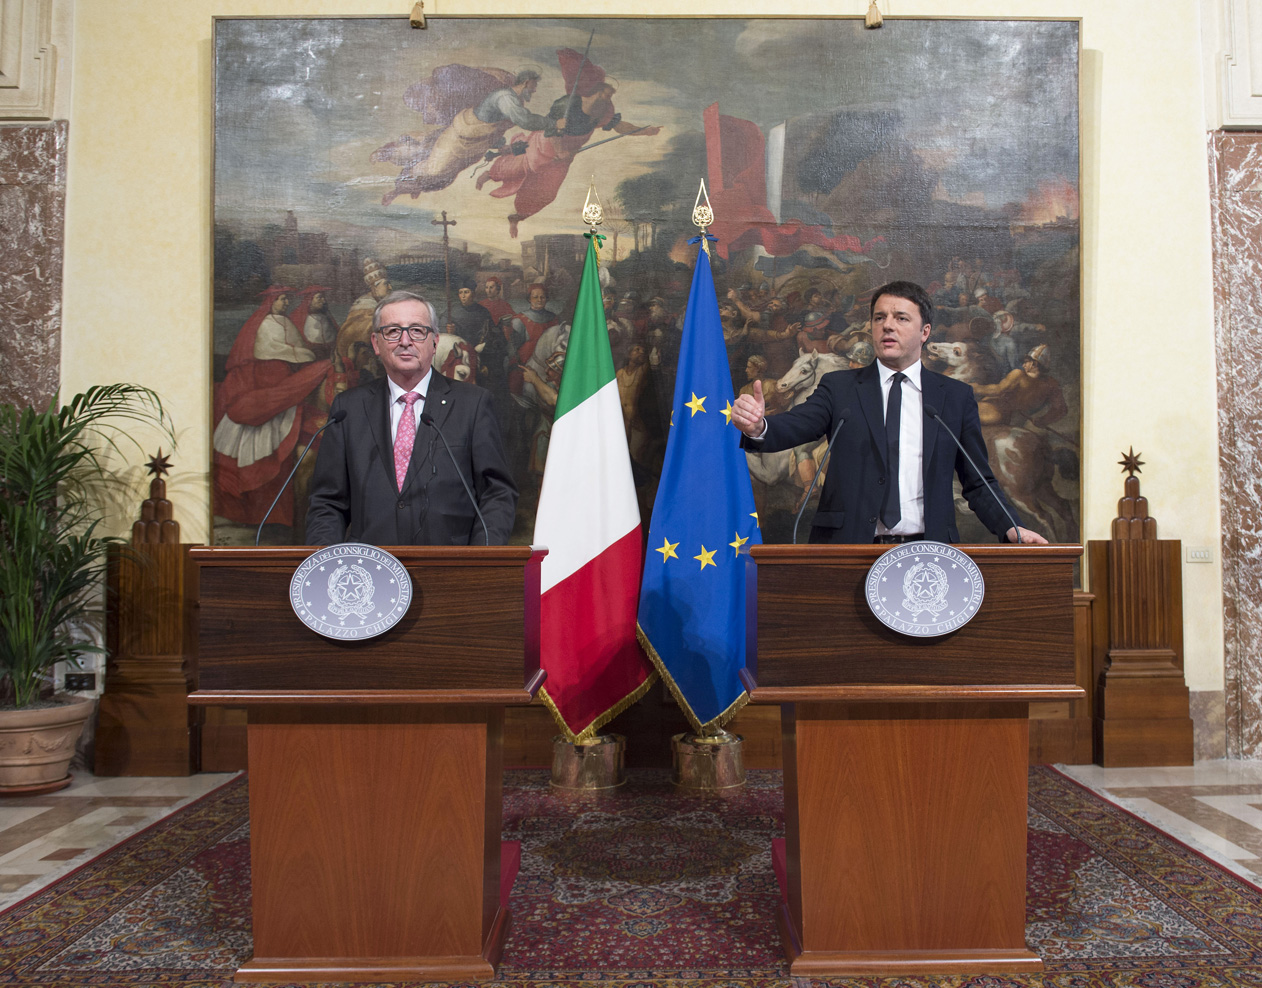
column 692, row 600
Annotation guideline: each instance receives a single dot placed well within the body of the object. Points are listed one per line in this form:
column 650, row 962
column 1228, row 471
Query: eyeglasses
column 392, row 334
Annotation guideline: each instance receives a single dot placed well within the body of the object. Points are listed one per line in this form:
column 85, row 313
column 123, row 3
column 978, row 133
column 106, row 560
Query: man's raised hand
column 748, row 411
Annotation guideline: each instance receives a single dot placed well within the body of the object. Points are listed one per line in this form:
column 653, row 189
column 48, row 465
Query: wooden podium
column 374, row 766
column 906, row 760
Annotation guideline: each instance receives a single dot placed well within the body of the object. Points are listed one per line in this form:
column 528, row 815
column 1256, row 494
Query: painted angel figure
column 470, row 108
column 534, row 175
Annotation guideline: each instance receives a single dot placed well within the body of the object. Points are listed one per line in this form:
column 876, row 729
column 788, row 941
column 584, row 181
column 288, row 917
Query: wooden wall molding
column 28, row 60
column 1237, row 70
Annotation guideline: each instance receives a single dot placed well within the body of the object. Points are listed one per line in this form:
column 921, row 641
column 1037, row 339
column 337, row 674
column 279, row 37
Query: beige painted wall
column 139, row 217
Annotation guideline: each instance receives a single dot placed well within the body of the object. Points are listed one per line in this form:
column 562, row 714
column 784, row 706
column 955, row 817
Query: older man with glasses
column 383, row 476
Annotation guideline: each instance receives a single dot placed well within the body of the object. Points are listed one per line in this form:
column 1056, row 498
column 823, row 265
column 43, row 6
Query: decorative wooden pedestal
column 1141, row 710
column 144, row 723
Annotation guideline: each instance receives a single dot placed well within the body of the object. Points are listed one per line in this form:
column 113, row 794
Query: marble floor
column 45, row 837
column 1214, row 806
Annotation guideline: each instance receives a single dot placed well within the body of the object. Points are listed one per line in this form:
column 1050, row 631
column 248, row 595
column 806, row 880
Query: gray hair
column 401, row 296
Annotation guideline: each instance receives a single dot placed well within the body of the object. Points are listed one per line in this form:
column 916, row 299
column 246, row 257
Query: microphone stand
column 428, row 420
column 333, row 420
column 845, row 414
column 932, row 412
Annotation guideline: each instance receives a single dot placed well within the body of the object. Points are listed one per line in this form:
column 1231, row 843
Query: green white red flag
column 589, row 520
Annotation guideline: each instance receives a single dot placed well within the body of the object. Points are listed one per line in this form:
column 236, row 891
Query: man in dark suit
column 382, row 475
column 890, row 475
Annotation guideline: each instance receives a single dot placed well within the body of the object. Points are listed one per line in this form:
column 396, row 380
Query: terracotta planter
column 36, row 746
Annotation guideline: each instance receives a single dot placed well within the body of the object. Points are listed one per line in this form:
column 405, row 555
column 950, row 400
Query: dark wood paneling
column 1061, row 732
column 223, row 739
column 648, row 727
column 915, row 693
column 814, row 626
column 528, row 734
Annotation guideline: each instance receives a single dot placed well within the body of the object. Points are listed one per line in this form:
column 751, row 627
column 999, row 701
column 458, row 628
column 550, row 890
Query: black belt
column 896, row 539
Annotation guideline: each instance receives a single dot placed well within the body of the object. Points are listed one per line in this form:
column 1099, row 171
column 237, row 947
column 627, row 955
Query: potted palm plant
column 53, row 478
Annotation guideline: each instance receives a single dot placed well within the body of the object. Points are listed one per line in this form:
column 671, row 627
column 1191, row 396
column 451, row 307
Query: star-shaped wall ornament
column 1131, row 462
column 159, row 465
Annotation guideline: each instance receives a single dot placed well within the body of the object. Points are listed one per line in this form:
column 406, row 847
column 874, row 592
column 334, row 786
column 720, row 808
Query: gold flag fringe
column 710, row 725
column 590, row 731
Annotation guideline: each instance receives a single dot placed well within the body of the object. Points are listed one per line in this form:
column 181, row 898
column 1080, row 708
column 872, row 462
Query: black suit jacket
column 354, row 495
column 854, row 486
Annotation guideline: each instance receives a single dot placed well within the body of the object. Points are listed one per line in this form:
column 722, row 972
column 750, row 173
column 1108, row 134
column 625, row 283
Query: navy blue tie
column 891, row 511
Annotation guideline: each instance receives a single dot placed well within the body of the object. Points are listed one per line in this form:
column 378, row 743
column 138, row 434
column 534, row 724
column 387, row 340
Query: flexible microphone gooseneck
column 333, row 420
column 428, row 419
column 845, row 414
column 933, row 413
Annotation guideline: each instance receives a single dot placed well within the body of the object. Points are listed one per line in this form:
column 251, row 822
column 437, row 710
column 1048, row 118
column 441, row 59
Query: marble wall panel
column 32, row 230
column 1235, row 161
column 1208, row 710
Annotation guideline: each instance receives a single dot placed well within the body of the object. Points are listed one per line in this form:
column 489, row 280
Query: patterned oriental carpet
column 648, row 885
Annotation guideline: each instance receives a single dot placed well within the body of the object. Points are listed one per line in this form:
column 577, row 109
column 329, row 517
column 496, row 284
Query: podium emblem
column 350, row 591
column 924, row 589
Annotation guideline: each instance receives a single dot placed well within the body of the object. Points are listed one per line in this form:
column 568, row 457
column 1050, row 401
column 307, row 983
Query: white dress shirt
column 397, row 405
column 911, row 451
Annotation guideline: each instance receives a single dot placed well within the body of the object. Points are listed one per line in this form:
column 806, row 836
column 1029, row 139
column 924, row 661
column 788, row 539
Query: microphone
column 845, row 414
column 428, row 419
column 333, row 419
column 932, row 412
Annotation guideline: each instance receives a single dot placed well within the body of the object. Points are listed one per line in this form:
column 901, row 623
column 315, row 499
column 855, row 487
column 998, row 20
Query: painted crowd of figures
column 293, row 356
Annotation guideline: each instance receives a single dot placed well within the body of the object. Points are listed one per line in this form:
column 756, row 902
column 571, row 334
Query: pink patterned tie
column 405, row 438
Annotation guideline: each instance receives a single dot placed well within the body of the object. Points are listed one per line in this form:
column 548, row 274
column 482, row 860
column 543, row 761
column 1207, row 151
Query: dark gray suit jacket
column 354, row 495
column 854, row 486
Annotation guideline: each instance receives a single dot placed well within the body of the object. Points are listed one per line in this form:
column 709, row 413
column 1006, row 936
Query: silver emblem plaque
column 924, row 589
column 350, row 591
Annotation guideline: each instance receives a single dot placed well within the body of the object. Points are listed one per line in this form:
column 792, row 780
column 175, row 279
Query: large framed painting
column 353, row 156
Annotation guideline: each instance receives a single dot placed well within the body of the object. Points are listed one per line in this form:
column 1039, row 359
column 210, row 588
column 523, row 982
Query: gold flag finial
column 593, row 216
column 703, row 216
column 702, row 213
column 593, row 211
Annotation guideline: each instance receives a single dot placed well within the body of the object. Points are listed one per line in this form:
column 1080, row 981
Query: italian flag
column 589, row 521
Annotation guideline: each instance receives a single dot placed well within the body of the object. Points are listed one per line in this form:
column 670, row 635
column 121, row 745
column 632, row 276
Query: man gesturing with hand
column 890, row 475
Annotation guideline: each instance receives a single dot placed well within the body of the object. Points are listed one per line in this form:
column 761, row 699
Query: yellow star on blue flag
column 692, row 619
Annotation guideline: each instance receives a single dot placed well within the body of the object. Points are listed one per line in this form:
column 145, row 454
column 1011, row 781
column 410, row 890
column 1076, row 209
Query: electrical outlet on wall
column 79, row 682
